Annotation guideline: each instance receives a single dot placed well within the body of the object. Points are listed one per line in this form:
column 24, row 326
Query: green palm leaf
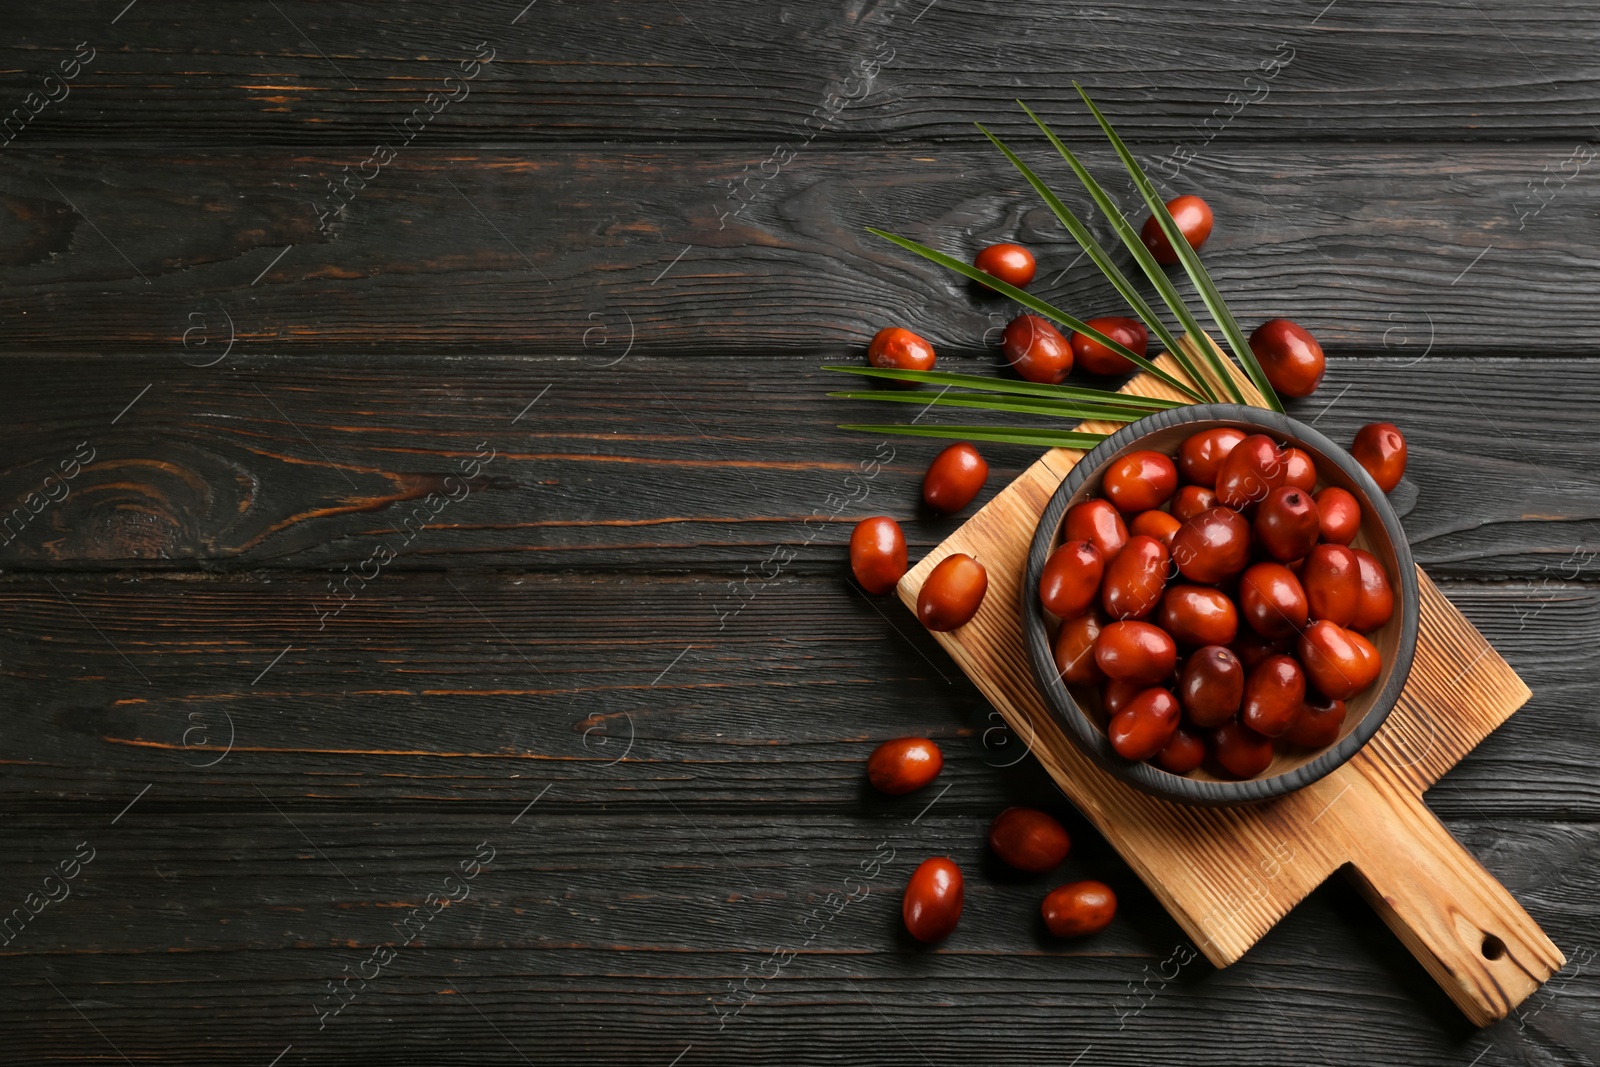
column 1081, row 234
column 1065, row 409
column 1191, row 261
column 1075, row 402
column 1034, row 304
column 998, row 434
column 1016, row 388
column 1135, row 244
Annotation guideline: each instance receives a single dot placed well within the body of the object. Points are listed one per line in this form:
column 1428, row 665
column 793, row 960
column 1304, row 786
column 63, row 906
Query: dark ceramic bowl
column 1380, row 534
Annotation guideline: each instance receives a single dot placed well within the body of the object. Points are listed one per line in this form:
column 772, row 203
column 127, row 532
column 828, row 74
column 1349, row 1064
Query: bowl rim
column 1088, row 737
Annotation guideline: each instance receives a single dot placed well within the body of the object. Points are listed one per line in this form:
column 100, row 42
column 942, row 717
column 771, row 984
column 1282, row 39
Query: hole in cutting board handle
column 1493, row 947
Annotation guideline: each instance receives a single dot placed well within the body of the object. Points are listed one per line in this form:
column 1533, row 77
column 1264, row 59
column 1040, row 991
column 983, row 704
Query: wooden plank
column 412, row 697
column 656, row 463
column 698, row 882
column 1400, row 251
column 612, row 938
column 212, row 74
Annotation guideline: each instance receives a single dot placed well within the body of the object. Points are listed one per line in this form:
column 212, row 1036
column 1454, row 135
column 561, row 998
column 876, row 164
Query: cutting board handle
column 1464, row 926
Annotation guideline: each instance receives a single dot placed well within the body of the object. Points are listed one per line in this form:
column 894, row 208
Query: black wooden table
column 416, row 648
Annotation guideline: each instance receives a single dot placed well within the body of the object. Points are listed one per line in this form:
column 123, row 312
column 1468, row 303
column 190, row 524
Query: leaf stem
column 997, row 434
column 1016, row 388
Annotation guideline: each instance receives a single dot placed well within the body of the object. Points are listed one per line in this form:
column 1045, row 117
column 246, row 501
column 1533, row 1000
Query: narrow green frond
column 1064, row 409
column 998, row 434
column 1142, row 255
column 1191, row 261
column 1034, row 304
column 1101, row 259
column 1006, row 385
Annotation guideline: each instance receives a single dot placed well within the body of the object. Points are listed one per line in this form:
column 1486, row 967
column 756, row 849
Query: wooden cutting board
column 1228, row 875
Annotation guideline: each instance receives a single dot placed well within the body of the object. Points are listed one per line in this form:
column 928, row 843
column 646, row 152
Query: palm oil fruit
column 1135, row 580
column 1272, row 601
column 1074, row 649
column 1287, row 524
column 1211, row 687
column 1036, row 350
column 1299, row 470
column 896, row 348
column 1239, row 751
column 1079, row 908
column 1375, row 602
column 1139, row 481
column 1273, row 696
column 1289, row 356
column 1161, row 525
column 934, row 896
column 878, row 554
column 1339, row 662
column 1319, row 722
column 1194, row 219
column 1198, row 615
column 955, row 476
column 1118, row 694
column 1098, row 522
column 904, row 765
column 1201, row 454
column 1191, row 500
column 1380, row 447
column 952, row 593
column 1339, row 515
column 1071, row 579
column 1011, row 263
column 1144, row 727
column 1182, row 754
column 1135, row 652
column 1331, row 576
column 1212, row 546
column 1028, row 839
column 1096, row 358
column 1252, row 469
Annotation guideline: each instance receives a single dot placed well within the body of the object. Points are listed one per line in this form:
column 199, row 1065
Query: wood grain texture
column 589, row 939
column 411, row 697
column 207, row 74
column 1400, row 250
column 661, row 463
column 1227, row 875
column 609, row 576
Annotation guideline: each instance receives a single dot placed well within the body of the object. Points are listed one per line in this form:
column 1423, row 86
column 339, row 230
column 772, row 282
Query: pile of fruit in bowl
column 1212, row 604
